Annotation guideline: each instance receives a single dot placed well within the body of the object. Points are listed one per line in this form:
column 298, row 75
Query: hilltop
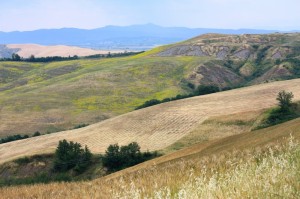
column 56, row 96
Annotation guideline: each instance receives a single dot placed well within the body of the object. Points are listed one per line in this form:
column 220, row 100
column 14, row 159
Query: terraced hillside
column 51, row 97
column 159, row 126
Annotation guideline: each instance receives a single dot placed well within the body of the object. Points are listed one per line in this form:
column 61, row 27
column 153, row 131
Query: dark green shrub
column 80, row 126
column 23, row 160
column 37, row 133
column 203, row 90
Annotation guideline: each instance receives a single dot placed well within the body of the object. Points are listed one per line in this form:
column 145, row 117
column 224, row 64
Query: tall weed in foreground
column 267, row 172
column 271, row 174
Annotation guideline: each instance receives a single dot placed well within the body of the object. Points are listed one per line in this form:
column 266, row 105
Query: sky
column 24, row 15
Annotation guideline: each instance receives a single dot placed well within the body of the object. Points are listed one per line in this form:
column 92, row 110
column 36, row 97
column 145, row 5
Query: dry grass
column 216, row 128
column 26, row 50
column 264, row 166
column 157, row 127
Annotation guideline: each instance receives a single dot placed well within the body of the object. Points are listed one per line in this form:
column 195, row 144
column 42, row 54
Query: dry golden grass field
column 258, row 164
column 26, row 50
column 157, row 127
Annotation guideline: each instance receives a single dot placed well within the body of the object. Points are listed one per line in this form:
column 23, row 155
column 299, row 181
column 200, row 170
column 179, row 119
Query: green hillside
column 59, row 95
column 49, row 97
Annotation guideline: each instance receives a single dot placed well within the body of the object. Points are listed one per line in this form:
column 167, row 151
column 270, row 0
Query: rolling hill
column 56, row 96
column 170, row 121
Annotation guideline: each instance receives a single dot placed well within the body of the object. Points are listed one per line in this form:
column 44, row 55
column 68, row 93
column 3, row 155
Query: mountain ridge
column 140, row 36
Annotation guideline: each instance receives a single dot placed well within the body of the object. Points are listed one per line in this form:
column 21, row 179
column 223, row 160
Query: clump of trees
column 15, row 57
column 286, row 110
column 203, row 90
column 71, row 155
column 119, row 157
column 200, row 90
column 32, row 58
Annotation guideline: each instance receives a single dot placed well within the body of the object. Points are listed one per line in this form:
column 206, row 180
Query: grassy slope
column 59, row 95
column 159, row 126
column 172, row 171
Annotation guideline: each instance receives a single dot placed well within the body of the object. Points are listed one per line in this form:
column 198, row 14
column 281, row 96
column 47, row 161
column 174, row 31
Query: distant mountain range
column 137, row 37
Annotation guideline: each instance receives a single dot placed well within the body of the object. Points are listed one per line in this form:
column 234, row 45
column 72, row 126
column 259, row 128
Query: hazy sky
column 88, row 14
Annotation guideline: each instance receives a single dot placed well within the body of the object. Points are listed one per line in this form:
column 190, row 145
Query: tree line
column 72, row 156
column 32, row 58
column 200, row 90
column 11, row 138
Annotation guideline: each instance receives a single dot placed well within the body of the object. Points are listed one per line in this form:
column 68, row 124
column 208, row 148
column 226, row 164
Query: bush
column 80, row 126
column 23, row 160
column 69, row 155
column 37, row 133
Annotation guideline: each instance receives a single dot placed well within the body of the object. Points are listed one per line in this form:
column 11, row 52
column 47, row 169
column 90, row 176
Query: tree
column 31, row 58
column 131, row 154
column 284, row 100
column 70, row 155
column 84, row 160
column 15, row 57
column 112, row 158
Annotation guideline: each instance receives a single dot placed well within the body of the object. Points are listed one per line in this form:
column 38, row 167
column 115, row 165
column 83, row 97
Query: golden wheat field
column 156, row 127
